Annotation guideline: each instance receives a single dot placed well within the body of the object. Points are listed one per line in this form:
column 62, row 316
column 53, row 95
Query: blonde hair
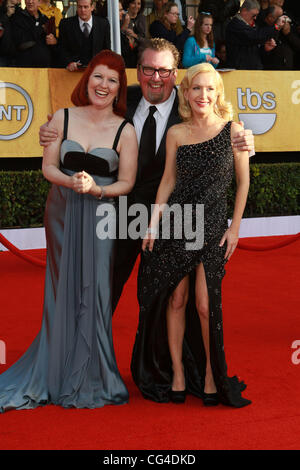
column 223, row 108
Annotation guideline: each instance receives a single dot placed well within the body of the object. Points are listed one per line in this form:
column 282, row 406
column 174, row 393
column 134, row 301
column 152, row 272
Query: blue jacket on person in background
column 193, row 54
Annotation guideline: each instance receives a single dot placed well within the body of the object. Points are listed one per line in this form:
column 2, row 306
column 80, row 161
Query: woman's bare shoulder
column 128, row 129
column 177, row 130
column 178, row 127
column 57, row 121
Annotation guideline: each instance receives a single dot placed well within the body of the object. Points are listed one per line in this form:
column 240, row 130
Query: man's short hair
column 158, row 44
column 92, row 2
column 273, row 10
column 250, row 5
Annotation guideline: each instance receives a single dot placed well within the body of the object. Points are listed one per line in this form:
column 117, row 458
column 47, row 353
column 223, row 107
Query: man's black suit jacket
column 243, row 44
column 71, row 38
column 145, row 190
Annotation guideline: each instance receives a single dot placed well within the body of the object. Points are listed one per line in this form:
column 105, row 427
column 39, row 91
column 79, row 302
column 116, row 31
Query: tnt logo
column 260, row 123
column 16, row 111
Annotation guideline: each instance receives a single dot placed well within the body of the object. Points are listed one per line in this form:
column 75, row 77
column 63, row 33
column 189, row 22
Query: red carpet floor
column 261, row 321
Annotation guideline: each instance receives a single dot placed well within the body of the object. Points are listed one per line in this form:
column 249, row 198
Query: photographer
column 129, row 53
column 136, row 27
column 7, row 48
column 34, row 46
column 244, row 40
column 292, row 10
column 282, row 56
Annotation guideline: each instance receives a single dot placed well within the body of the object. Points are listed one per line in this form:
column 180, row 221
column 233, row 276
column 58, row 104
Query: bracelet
column 102, row 193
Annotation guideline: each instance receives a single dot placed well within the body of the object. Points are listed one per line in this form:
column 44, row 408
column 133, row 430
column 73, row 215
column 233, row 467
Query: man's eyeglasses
column 150, row 71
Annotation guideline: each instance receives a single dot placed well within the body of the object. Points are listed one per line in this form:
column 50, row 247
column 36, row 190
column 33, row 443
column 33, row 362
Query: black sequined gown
column 204, row 172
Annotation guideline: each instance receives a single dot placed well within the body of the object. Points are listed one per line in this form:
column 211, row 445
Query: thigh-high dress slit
column 204, row 172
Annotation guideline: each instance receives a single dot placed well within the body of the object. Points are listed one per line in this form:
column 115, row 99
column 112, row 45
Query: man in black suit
column 244, row 39
column 157, row 73
column 34, row 47
column 82, row 36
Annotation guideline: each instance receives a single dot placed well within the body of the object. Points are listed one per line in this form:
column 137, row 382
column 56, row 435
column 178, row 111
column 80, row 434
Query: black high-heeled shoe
column 210, row 399
column 177, row 396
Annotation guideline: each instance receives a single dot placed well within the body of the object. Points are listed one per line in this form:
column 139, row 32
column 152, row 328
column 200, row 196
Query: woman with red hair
column 72, row 361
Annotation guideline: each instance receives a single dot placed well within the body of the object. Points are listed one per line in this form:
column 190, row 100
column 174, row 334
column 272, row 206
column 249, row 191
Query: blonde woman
column 179, row 345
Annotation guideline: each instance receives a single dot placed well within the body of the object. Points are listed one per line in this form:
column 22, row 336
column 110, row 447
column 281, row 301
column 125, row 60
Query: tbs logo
column 260, row 123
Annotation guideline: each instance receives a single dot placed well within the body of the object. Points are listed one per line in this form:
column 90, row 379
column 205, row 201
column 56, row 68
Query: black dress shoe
column 210, row 399
column 177, row 397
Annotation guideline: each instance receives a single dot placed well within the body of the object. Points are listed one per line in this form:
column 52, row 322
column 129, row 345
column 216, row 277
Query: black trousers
column 127, row 252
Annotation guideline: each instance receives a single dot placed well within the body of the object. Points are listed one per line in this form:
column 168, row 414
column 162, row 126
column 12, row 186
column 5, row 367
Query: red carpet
column 261, row 321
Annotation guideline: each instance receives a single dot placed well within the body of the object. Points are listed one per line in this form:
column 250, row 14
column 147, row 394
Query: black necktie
column 147, row 143
column 86, row 30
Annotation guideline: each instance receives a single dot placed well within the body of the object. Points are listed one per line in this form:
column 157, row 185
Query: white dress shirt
column 161, row 117
column 89, row 23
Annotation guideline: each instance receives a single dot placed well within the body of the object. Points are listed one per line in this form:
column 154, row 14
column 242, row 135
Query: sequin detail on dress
column 204, row 172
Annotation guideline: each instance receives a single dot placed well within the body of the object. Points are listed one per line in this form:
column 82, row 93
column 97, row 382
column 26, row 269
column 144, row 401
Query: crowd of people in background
column 231, row 34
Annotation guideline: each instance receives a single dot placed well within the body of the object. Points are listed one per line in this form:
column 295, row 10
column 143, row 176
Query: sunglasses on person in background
column 150, row 71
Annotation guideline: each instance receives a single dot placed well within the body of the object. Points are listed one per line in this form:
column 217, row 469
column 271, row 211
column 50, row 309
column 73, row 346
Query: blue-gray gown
column 72, row 362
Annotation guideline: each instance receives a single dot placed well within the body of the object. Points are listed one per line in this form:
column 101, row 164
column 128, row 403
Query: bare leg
column 176, row 328
column 202, row 305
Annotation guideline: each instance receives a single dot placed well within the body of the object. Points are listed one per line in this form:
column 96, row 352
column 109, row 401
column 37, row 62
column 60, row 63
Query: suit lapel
column 77, row 30
column 95, row 34
column 134, row 95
